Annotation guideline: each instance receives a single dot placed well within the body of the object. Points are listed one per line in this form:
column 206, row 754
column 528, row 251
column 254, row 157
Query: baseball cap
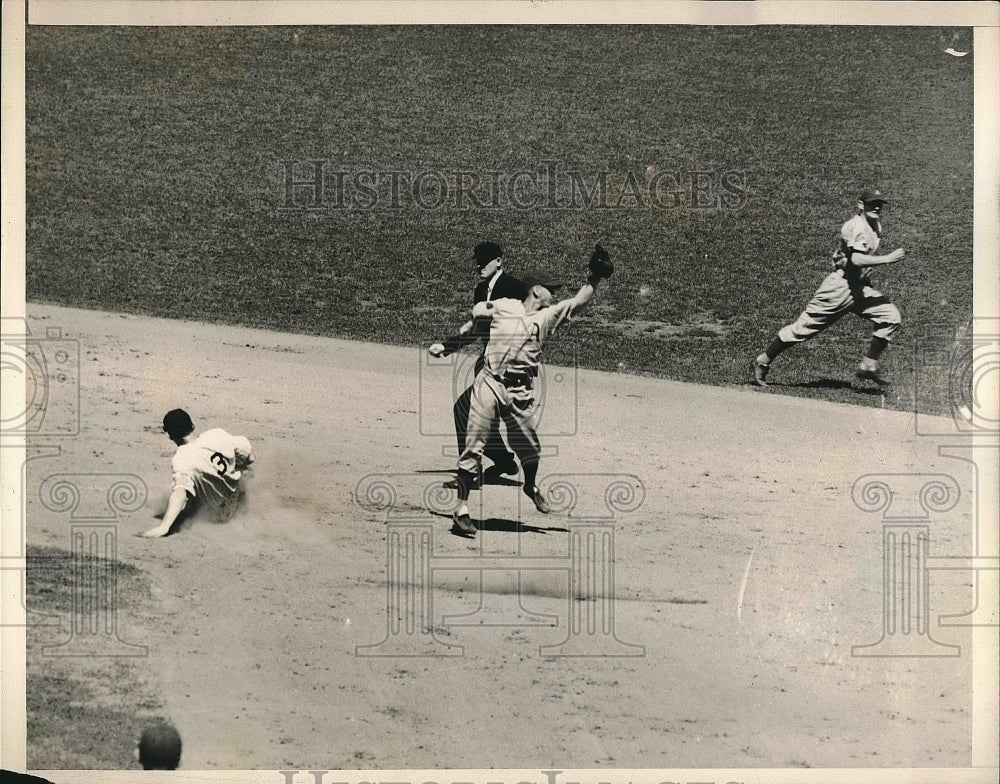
column 485, row 252
column 177, row 423
column 533, row 279
column 871, row 195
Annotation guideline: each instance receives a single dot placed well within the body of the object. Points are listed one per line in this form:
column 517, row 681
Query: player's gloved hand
column 600, row 264
column 436, row 349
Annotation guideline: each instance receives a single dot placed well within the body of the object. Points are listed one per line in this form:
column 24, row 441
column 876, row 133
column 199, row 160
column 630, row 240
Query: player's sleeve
column 554, row 315
column 184, row 474
column 506, row 308
column 855, row 238
column 244, row 452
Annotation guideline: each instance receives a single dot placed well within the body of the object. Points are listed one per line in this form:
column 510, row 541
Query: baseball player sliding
column 207, row 469
column 504, row 387
column 845, row 290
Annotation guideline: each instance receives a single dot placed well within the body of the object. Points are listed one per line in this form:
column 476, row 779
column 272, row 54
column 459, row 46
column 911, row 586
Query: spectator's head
column 159, row 747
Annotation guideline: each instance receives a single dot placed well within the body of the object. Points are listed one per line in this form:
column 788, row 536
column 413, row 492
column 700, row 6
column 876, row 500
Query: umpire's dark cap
column 873, row 196
column 178, row 423
column 485, row 252
column 533, row 279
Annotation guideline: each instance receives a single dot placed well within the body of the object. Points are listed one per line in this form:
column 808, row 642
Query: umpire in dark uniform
column 493, row 284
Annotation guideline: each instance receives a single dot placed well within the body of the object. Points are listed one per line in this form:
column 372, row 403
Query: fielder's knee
column 471, row 461
column 888, row 323
column 799, row 330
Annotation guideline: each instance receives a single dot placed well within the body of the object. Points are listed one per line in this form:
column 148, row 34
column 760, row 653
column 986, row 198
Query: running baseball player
column 206, row 469
column 504, row 387
column 846, row 290
column 494, row 283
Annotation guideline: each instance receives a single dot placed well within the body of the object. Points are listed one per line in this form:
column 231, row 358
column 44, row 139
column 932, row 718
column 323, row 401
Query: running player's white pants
column 515, row 405
column 833, row 299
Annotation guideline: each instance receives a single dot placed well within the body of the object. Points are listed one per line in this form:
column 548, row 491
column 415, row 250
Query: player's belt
column 512, row 379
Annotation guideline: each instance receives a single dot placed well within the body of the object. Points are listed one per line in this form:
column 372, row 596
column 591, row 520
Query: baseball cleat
column 758, row 372
column 539, row 500
column 463, row 523
column 864, row 374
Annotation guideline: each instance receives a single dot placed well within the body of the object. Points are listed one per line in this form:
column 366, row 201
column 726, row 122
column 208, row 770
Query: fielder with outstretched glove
column 505, row 387
column 600, row 264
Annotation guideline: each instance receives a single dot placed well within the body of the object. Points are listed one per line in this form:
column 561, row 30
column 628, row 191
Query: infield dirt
column 744, row 569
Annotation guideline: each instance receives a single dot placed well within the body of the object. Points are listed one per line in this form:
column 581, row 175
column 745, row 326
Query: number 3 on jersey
column 219, row 461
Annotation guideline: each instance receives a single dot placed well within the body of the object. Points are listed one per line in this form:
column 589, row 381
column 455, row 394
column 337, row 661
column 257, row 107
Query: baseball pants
column 833, row 299
column 491, row 401
column 495, row 448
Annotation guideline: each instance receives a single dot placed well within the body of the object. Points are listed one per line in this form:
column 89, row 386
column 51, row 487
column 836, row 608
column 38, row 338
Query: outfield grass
column 156, row 183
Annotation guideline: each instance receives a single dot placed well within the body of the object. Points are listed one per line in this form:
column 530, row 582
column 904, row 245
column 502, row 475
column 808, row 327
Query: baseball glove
column 600, row 264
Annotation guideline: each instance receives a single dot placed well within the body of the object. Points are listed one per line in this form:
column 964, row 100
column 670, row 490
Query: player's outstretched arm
column 600, row 266
column 453, row 343
column 176, row 504
column 244, row 453
column 868, row 260
column 586, row 293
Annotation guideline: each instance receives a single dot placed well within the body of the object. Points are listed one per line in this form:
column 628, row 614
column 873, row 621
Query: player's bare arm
column 176, row 504
column 868, row 260
column 600, row 266
column 452, row 344
column 586, row 293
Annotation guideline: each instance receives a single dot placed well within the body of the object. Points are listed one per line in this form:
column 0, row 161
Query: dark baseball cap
column 533, row 279
column 873, row 196
column 178, row 423
column 485, row 252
